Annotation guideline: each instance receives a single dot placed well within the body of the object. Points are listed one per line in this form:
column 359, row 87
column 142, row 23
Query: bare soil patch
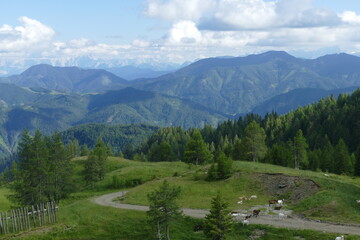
column 292, row 189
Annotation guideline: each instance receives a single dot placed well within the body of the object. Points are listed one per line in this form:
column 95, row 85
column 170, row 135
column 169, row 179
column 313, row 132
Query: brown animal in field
column 278, row 208
column 256, row 212
column 272, row 202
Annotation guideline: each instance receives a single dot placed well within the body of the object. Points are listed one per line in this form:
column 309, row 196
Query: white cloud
column 32, row 35
column 350, row 17
column 140, row 43
column 184, row 32
column 175, row 10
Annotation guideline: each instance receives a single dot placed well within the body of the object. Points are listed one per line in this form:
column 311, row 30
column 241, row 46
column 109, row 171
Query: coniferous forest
column 322, row 136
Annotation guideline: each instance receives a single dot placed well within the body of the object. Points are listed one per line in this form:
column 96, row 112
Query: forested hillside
column 115, row 136
column 237, row 85
column 48, row 111
column 322, row 136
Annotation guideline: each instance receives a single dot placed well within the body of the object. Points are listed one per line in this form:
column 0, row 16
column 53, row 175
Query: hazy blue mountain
column 50, row 110
column 132, row 72
column 236, row 85
column 128, row 106
column 293, row 99
column 68, row 79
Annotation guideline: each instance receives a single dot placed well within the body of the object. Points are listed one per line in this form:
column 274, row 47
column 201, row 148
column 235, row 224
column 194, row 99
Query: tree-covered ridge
column 49, row 111
column 237, row 85
column 322, row 136
column 116, row 136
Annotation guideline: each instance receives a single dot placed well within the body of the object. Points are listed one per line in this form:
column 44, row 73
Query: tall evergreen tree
column 327, row 163
column 161, row 152
column 342, row 158
column 163, row 208
column 219, row 221
column 224, row 166
column 61, row 168
column 300, row 151
column 95, row 164
column 253, row 143
column 196, row 150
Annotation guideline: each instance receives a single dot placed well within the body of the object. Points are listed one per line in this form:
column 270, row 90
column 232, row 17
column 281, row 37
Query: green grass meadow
column 79, row 218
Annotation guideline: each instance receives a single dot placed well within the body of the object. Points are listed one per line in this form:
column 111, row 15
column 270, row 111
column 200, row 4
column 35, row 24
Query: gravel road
column 272, row 220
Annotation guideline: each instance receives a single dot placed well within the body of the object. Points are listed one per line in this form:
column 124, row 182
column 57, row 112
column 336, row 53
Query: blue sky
column 173, row 30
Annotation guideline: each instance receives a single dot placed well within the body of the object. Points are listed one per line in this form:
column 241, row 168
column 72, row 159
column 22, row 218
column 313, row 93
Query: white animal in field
column 253, row 197
column 282, row 216
column 340, row 238
column 280, row 202
column 358, row 201
column 242, row 198
column 245, row 222
column 326, row 175
column 240, row 202
column 235, row 214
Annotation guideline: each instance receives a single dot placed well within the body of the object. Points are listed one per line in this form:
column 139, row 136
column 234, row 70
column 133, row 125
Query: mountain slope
column 236, row 85
column 293, row 99
column 50, row 111
column 70, row 79
column 129, row 106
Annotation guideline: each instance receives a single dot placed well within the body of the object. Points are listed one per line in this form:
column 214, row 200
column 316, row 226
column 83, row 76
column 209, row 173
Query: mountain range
column 237, row 85
column 205, row 92
column 35, row 108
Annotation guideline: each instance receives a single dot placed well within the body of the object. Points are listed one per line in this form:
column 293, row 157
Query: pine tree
column 224, row 166
column 342, row 158
column 300, row 151
column 163, row 208
column 196, row 151
column 327, row 163
column 253, row 143
column 95, row 164
column 31, row 175
column 218, row 222
column 61, row 168
column 84, row 150
column 236, row 154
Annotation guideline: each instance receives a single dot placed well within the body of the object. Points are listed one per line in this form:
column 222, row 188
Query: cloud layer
column 200, row 28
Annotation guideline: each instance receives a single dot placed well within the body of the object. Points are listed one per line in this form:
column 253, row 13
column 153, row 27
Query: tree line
column 43, row 170
column 322, row 136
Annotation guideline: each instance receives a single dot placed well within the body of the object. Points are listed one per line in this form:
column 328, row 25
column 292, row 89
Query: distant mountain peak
column 270, row 55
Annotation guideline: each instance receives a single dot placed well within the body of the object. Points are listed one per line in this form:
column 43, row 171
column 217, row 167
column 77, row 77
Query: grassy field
column 335, row 201
column 5, row 204
column 85, row 220
column 79, row 218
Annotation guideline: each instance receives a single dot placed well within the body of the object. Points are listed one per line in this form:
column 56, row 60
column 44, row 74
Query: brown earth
column 292, row 189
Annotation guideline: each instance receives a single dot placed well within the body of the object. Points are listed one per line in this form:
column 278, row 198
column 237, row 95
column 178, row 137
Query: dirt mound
column 292, row 189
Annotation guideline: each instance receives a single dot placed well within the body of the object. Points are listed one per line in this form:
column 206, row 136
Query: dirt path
column 291, row 222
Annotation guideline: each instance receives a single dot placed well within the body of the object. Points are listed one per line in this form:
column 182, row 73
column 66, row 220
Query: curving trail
column 291, row 223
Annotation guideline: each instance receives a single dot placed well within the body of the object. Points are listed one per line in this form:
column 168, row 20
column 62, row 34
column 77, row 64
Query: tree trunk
column 158, row 231
column 167, row 232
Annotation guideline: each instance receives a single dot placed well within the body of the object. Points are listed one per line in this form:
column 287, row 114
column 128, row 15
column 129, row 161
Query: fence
column 21, row 219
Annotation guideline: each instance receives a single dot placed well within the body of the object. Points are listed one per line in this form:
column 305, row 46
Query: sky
column 173, row 31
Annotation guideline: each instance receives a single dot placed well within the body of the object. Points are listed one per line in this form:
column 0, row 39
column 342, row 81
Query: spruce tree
column 224, row 166
column 300, row 151
column 253, row 143
column 196, row 150
column 163, row 208
column 342, row 158
column 219, row 221
column 94, row 169
column 61, row 168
